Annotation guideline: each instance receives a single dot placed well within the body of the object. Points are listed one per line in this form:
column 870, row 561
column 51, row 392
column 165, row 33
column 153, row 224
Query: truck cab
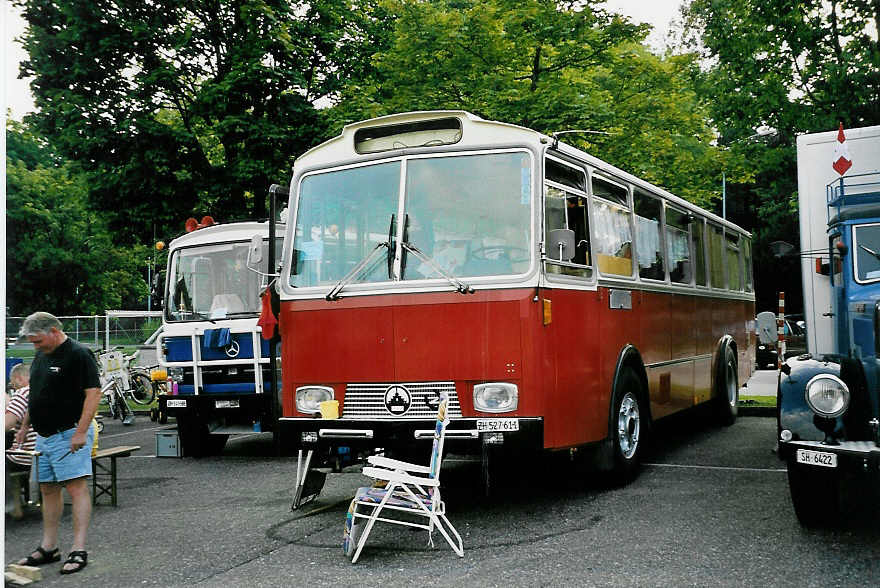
column 211, row 345
column 828, row 400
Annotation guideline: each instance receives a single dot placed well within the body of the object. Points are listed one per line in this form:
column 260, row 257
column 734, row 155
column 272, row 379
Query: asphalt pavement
column 710, row 507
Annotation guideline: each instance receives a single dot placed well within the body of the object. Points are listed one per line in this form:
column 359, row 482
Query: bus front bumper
column 463, row 435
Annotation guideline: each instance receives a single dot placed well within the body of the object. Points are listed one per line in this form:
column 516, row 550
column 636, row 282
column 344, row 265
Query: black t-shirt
column 58, row 384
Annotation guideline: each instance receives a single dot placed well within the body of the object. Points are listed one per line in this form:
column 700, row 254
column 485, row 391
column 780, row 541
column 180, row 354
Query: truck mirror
column 157, row 288
column 255, row 251
column 823, row 268
column 560, row 244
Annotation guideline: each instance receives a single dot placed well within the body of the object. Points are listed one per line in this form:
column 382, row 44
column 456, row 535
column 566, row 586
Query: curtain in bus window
column 678, row 246
column 342, row 216
column 650, row 252
column 699, row 229
column 716, row 257
column 613, row 244
column 470, row 214
column 734, row 275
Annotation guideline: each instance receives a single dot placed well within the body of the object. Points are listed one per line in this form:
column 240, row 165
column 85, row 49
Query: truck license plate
column 226, row 404
column 176, row 403
column 817, row 458
column 491, row 425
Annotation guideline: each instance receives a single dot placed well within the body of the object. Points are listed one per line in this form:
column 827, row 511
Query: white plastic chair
column 402, row 489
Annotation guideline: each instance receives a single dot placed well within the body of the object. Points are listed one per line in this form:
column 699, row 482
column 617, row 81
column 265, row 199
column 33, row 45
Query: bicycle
column 119, row 379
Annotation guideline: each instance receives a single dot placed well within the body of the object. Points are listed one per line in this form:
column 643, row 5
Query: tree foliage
column 59, row 254
column 792, row 66
column 550, row 66
column 181, row 107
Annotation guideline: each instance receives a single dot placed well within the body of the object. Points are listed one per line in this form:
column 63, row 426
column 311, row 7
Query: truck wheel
column 727, row 388
column 628, row 423
column 815, row 495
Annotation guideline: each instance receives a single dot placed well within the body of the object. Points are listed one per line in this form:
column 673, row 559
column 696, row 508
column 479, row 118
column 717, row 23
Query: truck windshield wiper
column 459, row 285
column 333, row 294
column 874, row 253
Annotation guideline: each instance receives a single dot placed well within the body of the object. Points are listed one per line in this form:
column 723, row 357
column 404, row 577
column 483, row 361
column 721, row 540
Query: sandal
column 78, row 558
column 45, row 556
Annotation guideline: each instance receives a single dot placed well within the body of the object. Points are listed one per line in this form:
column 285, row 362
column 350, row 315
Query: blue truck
column 828, row 399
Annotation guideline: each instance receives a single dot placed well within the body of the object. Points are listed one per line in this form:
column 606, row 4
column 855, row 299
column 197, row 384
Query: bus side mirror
column 560, row 244
column 255, row 251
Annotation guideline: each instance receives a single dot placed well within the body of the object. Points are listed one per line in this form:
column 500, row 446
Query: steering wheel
column 496, row 252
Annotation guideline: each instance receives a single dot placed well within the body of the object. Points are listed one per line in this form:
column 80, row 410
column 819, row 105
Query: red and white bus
column 561, row 302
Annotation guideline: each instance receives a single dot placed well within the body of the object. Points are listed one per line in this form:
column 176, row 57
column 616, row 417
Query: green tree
column 59, row 253
column 794, row 66
column 182, row 107
column 550, row 66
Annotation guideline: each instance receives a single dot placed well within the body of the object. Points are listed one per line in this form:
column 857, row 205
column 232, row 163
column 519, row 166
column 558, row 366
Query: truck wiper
column 874, row 253
column 459, row 285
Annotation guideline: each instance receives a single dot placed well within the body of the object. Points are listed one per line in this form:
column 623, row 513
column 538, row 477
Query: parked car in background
column 795, row 333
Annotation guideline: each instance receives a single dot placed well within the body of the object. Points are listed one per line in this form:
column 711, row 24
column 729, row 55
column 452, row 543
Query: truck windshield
column 866, row 239
column 213, row 282
column 470, row 214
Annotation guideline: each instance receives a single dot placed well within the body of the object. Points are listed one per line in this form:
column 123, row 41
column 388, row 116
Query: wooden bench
column 21, row 480
column 103, row 477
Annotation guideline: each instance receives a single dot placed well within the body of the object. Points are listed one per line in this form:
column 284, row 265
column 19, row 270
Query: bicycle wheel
column 142, row 388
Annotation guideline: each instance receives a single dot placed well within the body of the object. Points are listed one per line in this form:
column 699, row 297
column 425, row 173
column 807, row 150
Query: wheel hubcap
column 628, row 425
column 731, row 383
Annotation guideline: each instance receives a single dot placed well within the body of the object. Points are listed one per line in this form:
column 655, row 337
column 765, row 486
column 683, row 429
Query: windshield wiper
column 872, row 252
column 459, row 285
column 333, row 294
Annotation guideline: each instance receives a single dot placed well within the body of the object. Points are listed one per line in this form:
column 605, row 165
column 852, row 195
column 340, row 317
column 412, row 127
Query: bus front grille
column 368, row 400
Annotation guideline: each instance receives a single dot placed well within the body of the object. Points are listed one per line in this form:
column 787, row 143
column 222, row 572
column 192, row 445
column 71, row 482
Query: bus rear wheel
column 727, row 388
column 629, row 423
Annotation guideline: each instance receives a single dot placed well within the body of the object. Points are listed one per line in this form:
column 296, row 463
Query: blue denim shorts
column 56, row 465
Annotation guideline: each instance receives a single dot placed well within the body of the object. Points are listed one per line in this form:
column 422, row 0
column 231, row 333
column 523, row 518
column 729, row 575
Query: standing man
column 64, row 395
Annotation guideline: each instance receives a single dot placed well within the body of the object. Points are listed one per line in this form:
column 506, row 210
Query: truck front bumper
column 848, row 456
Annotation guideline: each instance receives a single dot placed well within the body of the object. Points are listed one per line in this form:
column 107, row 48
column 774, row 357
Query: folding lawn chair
column 402, row 490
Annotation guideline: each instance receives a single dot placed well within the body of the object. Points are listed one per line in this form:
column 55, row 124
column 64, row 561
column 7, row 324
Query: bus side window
column 733, row 261
column 678, row 246
column 565, row 207
column 698, row 227
column 649, row 244
column 613, row 231
column 716, row 257
column 747, row 262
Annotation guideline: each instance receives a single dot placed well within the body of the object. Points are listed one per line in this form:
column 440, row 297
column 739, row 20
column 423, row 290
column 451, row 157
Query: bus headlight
column 309, row 398
column 496, row 397
column 827, row 395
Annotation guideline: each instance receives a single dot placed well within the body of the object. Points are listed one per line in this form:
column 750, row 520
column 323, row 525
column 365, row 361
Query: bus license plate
column 226, row 404
column 491, row 425
column 176, row 403
column 817, row 458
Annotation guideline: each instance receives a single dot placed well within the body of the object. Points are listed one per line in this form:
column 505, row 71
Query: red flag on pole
column 842, row 162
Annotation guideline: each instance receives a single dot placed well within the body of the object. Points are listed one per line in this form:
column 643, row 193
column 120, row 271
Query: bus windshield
column 212, row 282
column 469, row 214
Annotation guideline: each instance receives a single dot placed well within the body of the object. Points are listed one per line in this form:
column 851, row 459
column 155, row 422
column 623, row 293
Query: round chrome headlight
column 827, row 395
column 309, row 398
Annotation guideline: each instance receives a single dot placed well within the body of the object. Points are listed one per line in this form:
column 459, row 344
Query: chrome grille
column 368, row 400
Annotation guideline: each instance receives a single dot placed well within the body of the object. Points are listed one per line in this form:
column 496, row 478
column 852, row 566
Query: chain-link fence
column 130, row 328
